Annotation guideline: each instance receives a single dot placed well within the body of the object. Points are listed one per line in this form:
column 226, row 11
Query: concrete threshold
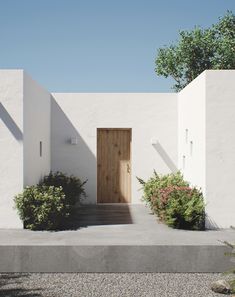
column 129, row 240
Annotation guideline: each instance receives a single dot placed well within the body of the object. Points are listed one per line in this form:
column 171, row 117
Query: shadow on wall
column 165, row 157
column 211, row 224
column 10, row 123
column 76, row 159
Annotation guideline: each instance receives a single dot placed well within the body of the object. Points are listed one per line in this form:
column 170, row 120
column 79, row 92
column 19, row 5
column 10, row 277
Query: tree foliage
column 198, row 50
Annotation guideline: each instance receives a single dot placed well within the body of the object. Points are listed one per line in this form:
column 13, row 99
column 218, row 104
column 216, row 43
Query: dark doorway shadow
column 76, row 159
column 79, row 160
column 100, row 214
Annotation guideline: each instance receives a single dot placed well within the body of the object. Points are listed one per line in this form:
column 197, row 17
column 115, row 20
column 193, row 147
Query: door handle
column 128, row 169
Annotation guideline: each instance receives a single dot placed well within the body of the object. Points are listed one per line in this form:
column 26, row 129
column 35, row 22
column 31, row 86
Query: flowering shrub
column 180, row 207
column 158, row 182
column 174, row 202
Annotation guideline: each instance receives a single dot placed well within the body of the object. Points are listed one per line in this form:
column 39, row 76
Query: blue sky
column 97, row 45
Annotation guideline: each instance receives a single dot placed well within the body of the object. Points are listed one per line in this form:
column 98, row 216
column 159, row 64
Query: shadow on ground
column 95, row 215
column 11, row 285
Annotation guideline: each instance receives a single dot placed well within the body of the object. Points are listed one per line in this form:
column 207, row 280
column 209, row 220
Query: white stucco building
column 79, row 133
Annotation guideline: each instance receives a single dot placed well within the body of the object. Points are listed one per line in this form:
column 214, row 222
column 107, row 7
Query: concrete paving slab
column 121, row 238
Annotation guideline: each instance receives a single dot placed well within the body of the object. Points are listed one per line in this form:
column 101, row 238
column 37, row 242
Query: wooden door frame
column 117, row 129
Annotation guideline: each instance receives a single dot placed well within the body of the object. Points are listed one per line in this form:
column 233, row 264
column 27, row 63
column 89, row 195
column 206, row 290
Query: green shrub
column 42, row 207
column 174, row 202
column 71, row 185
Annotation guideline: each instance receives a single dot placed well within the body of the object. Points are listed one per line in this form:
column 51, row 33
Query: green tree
column 198, row 50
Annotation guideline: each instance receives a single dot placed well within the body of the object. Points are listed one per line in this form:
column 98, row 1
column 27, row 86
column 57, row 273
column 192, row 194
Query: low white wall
column 37, row 128
column 11, row 145
column 220, row 147
column 79, row 115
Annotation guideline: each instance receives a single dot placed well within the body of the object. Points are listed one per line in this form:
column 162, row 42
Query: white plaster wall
column 206, row 107
column 37, row 123
column 79, row 115
column 11, row 145
column 191, row 117
column 220, row 147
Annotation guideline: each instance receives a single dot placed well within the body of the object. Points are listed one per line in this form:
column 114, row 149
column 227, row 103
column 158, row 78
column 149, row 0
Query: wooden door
column 113, row 165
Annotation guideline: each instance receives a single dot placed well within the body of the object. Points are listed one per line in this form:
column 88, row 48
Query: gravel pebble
column 107, row 284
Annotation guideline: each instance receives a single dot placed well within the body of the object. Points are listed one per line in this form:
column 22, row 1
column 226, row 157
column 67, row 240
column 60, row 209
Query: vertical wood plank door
column 113, row 165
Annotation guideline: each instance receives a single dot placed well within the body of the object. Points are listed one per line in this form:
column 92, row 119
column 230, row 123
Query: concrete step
column 152, row 258
column 114, row 242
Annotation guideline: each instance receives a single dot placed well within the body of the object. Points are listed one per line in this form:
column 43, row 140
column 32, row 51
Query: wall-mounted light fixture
column 191, row 148
column 73, row 140
column 153, row 141
column 186, row 135
column 183, row 161
column 40, row 148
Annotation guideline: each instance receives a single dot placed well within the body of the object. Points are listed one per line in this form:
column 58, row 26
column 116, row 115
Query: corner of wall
column 11, row 149
column 220, row 146
column 191, row 131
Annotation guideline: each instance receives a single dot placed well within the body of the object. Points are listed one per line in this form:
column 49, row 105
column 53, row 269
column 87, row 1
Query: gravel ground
column 107, row 284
